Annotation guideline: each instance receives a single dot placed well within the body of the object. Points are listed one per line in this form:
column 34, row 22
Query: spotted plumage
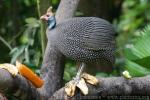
column 84, row 39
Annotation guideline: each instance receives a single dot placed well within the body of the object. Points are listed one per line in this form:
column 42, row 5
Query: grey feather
column 84, row 39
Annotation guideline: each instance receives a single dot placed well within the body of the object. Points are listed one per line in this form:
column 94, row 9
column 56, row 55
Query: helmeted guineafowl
column 84, row 39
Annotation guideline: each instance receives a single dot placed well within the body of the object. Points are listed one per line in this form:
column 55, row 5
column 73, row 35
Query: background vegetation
column 21, row 32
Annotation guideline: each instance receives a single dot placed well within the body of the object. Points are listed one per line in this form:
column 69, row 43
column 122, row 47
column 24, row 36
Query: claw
column 70, row 88
column 90, row 79
column 81, row 84
column 10, row 68
column 83, row 87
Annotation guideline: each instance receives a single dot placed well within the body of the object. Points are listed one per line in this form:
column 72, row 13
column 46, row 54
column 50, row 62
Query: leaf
column 54, row 2
column 135, row 69
column 67, row 76
column 26, row 54
column 30, row 20
column 24, row 39
column 13, row 50
column 27, row 2
column 70, row 71
column 139, row 51
column 129, row 53
column 16, row 53
column 143, row 62
column 36, row 58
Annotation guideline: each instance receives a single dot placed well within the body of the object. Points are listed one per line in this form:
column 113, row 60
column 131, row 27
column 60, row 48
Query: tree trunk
column 112, row 88
column 53, row 62
column 66, row 9
column 52, row 70
column 106, row 9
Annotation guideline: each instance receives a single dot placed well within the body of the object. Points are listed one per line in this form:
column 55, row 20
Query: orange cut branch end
column 29, row 75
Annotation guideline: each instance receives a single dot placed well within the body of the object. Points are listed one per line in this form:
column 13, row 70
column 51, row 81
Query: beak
column 44, row 17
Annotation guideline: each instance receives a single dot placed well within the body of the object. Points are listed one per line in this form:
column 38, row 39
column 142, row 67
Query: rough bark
column 66, row 9
column 53, row 62
column 17, row 86
column 52, row 70
column 108, row 88
column 112, row 88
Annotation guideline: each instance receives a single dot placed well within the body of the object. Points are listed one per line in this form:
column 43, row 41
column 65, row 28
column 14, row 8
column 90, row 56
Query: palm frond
column 138, row 54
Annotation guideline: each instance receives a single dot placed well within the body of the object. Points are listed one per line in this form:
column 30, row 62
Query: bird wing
column 88, row 32
column 99, row 35
column 99, row 39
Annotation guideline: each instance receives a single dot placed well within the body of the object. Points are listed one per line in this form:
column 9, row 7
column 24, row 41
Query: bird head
column 49, row 17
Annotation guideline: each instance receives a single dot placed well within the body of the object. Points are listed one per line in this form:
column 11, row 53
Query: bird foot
column 70, row 87
column 90, row 79
column 10, row 68
column 80, row 82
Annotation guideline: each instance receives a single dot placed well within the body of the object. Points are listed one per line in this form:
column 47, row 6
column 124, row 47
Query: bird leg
column 79, row 73
column 79, row 81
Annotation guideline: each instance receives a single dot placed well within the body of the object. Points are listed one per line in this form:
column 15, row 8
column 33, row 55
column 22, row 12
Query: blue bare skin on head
column 51, row 22
column 49, row 17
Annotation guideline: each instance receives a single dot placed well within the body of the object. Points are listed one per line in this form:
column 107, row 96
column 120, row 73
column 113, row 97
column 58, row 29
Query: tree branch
column 66, row 9
column 52, row 71
column 53, row 62
column 111, row 87
column 18, row 86
column 52, row 67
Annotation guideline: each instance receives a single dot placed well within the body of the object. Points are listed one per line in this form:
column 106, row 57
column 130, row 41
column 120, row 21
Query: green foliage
column 55, row 2
column 20, row 33
column 135, row 69
column 70, row 71
column 12, row 23
column 28, row 52
column 132, row 44
column 135, row 15
column 138, row 54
